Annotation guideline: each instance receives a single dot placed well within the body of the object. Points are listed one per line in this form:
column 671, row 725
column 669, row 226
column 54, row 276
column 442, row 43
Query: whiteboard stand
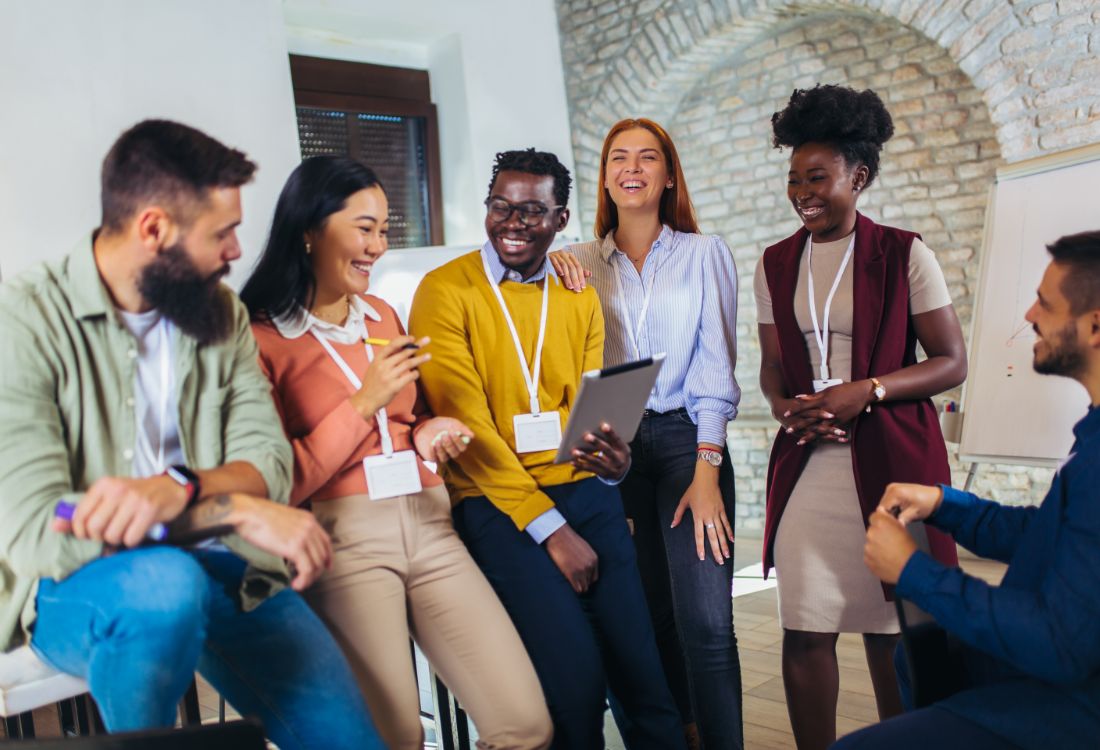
column 970, row 474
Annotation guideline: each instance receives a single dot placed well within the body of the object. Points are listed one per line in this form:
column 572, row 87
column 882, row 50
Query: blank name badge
column 537, row 432
column 392, row 475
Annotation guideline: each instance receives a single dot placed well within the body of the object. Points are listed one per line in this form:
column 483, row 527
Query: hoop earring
column 669, row 185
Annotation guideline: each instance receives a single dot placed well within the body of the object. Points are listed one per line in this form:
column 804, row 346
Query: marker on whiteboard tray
column 158, row 532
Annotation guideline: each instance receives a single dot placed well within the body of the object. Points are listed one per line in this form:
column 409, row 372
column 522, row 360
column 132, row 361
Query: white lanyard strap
column 822, row 333
column 531, row 379
column 633, row 330
column 165, row 383
column 379, row 416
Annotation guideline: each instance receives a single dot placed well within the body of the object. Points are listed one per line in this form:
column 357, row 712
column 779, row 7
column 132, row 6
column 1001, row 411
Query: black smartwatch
column 186, row 478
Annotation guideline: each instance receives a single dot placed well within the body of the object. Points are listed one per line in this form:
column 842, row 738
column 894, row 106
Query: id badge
column 537, row 432
column 820, row 385
column 392, row 475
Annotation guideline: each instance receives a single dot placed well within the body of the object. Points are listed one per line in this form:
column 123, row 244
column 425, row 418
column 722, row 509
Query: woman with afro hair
column 842, row 304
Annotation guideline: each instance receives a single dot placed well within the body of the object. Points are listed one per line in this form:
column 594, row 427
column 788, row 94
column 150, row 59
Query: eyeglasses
column 531, row 214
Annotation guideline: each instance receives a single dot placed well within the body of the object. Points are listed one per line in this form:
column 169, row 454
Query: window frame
column 375, row 89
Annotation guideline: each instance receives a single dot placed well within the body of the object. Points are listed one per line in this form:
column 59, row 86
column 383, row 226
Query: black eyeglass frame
column 525, row 214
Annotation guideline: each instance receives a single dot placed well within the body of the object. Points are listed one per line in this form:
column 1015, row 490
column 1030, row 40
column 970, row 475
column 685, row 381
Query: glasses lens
column 531, row 215
column 499, row 210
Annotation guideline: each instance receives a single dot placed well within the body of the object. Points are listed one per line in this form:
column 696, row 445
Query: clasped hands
column 823, row 416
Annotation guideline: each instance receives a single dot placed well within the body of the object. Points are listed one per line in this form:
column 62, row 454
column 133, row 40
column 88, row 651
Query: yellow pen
column 384, row 342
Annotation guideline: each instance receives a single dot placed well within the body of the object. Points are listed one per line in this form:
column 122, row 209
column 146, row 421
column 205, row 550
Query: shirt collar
column 300, row 321
column 503, row 273
column 86, row 289
column 1088, row 426
column 607, row 244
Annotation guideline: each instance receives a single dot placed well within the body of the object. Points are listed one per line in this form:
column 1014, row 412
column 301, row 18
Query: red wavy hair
column 675, row 209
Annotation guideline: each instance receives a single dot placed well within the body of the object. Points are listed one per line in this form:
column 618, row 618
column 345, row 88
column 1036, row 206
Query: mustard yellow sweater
column 474, row 376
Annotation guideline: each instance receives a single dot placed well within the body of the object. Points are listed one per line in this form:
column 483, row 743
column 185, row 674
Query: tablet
column 615, row 395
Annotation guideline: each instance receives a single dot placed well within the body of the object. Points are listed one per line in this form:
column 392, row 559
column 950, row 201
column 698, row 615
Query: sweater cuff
column 917, row 576
column 545, row 525
column 954, row 508
column 533, row 506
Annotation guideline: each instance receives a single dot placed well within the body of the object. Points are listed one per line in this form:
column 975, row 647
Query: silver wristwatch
column 714, row 458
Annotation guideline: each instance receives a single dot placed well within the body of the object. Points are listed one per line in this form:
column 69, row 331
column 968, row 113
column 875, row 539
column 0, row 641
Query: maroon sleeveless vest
column 898, row 441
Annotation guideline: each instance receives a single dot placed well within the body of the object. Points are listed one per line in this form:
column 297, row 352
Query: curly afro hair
column 855, row 123
column 534, row 162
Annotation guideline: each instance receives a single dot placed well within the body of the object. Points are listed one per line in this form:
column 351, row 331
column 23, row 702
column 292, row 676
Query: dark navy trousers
column 581, row 645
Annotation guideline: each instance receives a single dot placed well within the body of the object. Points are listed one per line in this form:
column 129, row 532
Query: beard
column 192, row 302
column 1063, row 355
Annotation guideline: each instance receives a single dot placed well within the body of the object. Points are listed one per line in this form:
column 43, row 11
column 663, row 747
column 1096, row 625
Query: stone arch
column 1021, row 70
column 636, row 57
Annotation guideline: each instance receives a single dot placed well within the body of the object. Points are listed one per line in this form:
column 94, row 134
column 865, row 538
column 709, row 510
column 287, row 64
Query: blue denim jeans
column 137, row 625
column 691, row 602
column 581, row 645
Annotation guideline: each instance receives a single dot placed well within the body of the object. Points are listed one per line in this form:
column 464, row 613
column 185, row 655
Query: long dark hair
column 283, row 277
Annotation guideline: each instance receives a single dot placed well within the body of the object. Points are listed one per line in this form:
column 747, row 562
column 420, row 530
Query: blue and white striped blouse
column 692, row 317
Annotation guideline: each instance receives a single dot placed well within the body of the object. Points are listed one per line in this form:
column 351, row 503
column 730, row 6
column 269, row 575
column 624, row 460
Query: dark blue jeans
column 691, row 601
column 580, row 645
column 137, row 625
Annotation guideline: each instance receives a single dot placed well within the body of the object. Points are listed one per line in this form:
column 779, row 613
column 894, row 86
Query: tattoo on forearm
column 211, row 512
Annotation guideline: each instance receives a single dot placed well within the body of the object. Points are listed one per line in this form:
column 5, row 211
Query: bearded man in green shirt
column 133, row 407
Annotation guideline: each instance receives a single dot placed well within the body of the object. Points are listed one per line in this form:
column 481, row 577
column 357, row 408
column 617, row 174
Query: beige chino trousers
column 400, row 570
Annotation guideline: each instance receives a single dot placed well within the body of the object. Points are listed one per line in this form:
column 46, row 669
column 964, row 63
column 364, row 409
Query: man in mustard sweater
column 509, row 343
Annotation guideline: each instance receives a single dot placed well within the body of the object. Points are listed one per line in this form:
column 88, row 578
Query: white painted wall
column 496, row 76
column 76, row 73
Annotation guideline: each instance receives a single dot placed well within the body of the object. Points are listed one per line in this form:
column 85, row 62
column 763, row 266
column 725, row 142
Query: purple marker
column 158, row 532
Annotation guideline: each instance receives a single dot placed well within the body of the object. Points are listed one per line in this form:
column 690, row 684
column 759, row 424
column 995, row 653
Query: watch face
column 714, row 458
column 880, row 392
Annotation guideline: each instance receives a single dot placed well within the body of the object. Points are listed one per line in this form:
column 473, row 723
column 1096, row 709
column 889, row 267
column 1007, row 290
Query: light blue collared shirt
column 692, row 317
column 546, row 524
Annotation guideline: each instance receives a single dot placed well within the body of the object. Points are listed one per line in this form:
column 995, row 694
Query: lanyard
column 822, row 333
column 532, row 380
column 633, row 331
column 157, row 459
column 380, row 415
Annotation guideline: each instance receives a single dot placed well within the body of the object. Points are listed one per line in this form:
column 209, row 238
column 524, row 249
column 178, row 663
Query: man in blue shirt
column 1032, row 644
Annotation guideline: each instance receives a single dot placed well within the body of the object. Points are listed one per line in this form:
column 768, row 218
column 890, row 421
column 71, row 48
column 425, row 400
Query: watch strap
column 187, row 479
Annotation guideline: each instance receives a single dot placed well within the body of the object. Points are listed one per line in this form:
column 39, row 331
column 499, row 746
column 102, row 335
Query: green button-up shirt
column 67, row 379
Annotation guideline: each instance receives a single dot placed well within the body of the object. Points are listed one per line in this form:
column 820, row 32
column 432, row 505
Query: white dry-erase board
column 1011, row 414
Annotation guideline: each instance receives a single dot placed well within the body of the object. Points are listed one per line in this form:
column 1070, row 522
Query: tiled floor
column 759, row 637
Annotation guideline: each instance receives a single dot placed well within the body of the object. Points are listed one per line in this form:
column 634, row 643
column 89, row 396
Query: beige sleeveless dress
column 823, row 584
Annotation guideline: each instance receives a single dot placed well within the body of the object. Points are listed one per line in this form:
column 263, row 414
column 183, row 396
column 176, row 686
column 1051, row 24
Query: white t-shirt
column 156, row 411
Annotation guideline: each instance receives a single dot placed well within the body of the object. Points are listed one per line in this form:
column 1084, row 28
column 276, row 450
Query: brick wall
column 971, row 85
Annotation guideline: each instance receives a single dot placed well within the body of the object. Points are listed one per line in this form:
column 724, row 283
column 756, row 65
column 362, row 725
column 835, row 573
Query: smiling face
column 636, row 172
column 1058, row 349
column 344, row 250
column 823, row 190
column 520, row 247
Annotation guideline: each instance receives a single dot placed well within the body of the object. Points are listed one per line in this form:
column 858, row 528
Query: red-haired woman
column 665, row 287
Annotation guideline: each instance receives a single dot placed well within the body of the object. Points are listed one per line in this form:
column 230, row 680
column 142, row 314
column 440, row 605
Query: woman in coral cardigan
column 841, row 306
column 361, row 434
